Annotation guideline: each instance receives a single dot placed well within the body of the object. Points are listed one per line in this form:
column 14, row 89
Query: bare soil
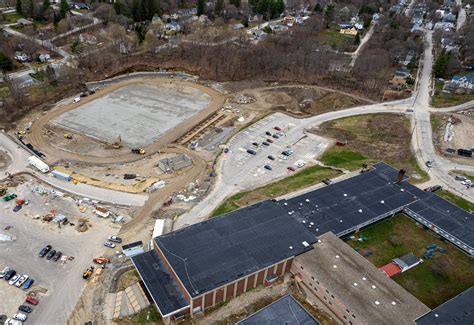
column 4, row 160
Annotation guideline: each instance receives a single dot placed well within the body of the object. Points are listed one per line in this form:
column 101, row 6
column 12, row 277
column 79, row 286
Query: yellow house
column 349, row 31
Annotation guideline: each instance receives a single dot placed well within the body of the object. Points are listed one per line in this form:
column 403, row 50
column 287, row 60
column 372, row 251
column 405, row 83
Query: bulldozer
column 87, row 273
column 68, row 136
column 118, row 143
column 3, row 191
column 139, row 151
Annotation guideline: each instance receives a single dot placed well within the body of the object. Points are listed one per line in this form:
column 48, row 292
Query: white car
column 14, row 279
column 466, row 182
column 4, row 271
column 12, row 321
column 22, row 280
column 76, row 100
column 20, row 316
column 109, row 244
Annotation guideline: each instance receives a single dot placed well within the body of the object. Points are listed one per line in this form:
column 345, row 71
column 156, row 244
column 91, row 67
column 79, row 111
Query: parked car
column 28, row 283
column 45, row 251
column 252, row 152
column 10, row 274
column 268, row 167
column 226, row 150
column 15, row 278
column 271, row 157
column 22, row 280
column 25, row 309
column 76, row 100
column 429, row 163
column 57, row 256
column 9, row 197
column 50, row 254
column 327, row 181
column 17, row 208
column 268, row 133
column 109, row 244
column 20, row 316
column 460, row 178
column 277, row 128
column 115, row 239
column 11, row 321
column 31, row 300
column 265, row 143
column 291, row 168
column 276, row 136
column 255, row 144
column 4, row 271
column 270, row 140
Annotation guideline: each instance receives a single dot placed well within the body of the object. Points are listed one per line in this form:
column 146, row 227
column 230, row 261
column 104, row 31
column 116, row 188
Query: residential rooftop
column 286, row 310
column 456, row 311
column 364, row 289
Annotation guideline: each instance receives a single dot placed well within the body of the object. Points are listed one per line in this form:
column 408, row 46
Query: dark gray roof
column 217, row 251
column 285, row 311
column 445, row 215
column 132, row 245
column 456, row 311
column 349, row 203
column 161, row 286
column 408, row 259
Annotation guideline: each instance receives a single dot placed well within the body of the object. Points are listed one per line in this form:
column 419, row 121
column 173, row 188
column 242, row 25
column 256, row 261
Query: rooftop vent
column 377, row 302
column 393, row 303
column 345, row 194
column 364, row 278
column 301, row 204
column 307, row 200
column 334, row 266
column 402, row 190
column 311, row 223
column 337, row 256
column 319, row 240
column 436, row 315
column 360, row 210
column 374, row 287
column 305, row 244
column 340, row 220
column 290, row 247
column 355, row 284
column 304, row 221
column 382, row 201
column 285, row 203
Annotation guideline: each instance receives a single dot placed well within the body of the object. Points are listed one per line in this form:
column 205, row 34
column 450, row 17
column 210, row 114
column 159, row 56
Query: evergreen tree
column 63, row 9
column 200, row 7
column 357, row 39
column 46, row 5
column 318, row 8
column 218, row 7
column 18, row 7
column 440, row 68
column 5, row 63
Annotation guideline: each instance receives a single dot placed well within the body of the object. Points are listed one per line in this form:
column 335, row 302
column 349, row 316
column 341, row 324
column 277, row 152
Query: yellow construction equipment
column 139, row 151
column 118, row 143
column 68, row 136
column 3, row 191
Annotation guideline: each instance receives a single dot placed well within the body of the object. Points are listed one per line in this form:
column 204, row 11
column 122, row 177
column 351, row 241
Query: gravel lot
column 245, row 170
column 60, row 284
column 139, row 113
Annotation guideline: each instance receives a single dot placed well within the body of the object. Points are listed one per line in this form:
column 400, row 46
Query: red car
column 31, row 300
column 277, row 128
column 291, row 168
column 270, row 140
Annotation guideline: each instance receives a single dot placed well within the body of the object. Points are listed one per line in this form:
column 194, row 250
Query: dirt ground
column 460, row 137
column 4, row 160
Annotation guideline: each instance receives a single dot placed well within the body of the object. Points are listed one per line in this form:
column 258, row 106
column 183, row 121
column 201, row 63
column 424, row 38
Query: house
column 449, row 17
column 172, row 27
column 406, row 61
column 238, row 26
column 24, row 22
column 44, row 57
column 466, row 81
column 21, row 57
column 403, row 73
column 376, row 17
column 407, row 261
column 345, row 25
column 81, row 6
column 349, row 31
column 359, row 25
column 102, row 212
column 443, row 25
column 87, row 38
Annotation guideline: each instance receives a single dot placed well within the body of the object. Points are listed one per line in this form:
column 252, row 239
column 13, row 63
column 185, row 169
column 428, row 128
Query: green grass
column 11, row 18
column 436, row 121
column 337, row 40
column 439, row 85
column 304, row 178
column 457, row 200
column 429, row 282
column 342, row 157
column 447, row 100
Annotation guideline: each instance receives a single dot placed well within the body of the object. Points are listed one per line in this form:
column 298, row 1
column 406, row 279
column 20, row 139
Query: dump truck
column 38, row 163
column 139, row 151
column 88, row 272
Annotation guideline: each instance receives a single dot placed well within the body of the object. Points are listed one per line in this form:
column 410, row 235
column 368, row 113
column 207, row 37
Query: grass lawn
column 146, row 316
column 304, row 178
column 337, row 40
column 447, row 100
column 371, row 138
column 10, row 18
column 457, row 200
column 435, row 280
column 436, row 120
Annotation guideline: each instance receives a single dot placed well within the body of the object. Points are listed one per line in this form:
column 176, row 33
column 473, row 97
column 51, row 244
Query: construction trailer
column 38, row 163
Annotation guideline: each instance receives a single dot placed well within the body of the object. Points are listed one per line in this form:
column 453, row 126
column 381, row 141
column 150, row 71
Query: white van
column 76, row 100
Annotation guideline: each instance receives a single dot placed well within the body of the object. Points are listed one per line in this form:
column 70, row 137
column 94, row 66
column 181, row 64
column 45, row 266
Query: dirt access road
column 55, row 154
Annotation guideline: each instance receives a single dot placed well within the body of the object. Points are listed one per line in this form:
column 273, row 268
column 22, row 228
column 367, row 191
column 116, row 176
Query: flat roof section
column 443, row 214
column 345, row 205
column 375, row 300
column 159, row 283
column 212, row 253
column 456, row 311
column 286, row 310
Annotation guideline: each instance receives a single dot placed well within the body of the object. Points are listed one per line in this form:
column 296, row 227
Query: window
column 310, row 284
column 325, row 298
column 350, row 323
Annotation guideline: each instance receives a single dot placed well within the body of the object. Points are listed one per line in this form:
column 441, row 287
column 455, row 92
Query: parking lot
column 246, row 170
column 58, row 284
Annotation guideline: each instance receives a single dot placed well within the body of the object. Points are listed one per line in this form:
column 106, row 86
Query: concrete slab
column 139, row 113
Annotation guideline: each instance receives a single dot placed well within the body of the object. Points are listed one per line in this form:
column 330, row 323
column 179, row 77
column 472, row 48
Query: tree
column 46, row 5
column 200, row 7
column 329, row 13
column 318, row 8
column 357, row 39
column 440, row 68
column 236, row 3
column 63, row 9
column 218, row 7
column 5, row 63
column 18, row 7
